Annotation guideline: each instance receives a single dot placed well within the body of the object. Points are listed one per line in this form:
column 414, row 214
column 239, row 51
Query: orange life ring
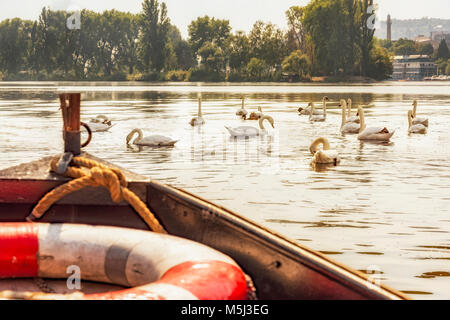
column 152, row 265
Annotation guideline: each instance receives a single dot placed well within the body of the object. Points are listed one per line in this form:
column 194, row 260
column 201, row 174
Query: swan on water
column 318, row 118
column 198, row 120
column 307, row 110
column 347, row 127
column 351, row 118
column 242, row 112
column 415, row 120
column 100, row 123
column 256, row 115
column 249, row 131
column 372, row 133
column 151, row 141
column 324, row 155
column 415, row 128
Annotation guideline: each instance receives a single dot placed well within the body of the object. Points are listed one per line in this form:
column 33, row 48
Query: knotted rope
column 97, row 175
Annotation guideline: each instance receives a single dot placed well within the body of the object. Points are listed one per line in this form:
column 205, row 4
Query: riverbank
column 185, row 76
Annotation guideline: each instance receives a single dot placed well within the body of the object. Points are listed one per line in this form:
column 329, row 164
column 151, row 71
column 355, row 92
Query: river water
column 384, row 210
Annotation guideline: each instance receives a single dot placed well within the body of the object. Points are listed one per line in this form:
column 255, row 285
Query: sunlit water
column 385, row 210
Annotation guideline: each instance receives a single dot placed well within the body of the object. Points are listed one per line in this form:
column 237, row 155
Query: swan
column 248, row 131
column 324, row 155
column 198, row 120
column 152, row 141
column 422, row 121
column 307, row 110
column 415, row 128
column 319, row 118
column 256, row 115
column 347, row 127
column 100, row 123
column 351, row 118
column 242, row 112
column 373, row 133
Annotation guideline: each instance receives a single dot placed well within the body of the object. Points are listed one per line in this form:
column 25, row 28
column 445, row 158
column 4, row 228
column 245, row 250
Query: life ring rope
column 152, row 265
column 98, row 175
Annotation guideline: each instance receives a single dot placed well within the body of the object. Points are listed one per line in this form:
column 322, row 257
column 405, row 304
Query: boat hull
column 281, row 269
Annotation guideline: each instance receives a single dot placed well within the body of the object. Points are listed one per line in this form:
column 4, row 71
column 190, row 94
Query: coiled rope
column 97, row 175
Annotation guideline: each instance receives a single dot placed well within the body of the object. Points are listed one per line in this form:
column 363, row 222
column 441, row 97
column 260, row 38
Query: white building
column 414, row 67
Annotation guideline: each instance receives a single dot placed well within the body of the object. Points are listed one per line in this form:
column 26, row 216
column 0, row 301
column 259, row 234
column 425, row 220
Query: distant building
column 389, row 28
column 437, row 36
column 414, row 67
column 421, row 39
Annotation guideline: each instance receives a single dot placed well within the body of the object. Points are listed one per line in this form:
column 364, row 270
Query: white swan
column 347, row 127
column 351, row 118
column 198, row 120
column 373, row 133
column 415, row 128
column 319, row 118
column 307, row 110
column 422, row 121
column 248, row 131
column 100, row 123
column 151, row 141
column 242, row 112
column 256, row 115
column 324, row 155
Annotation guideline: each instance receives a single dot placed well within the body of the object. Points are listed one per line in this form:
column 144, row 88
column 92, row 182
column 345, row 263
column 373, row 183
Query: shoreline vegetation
column 327, row 41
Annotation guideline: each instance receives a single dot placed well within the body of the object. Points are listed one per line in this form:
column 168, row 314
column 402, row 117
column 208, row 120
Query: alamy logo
column 372, row 22
column 74, row 21
column 74, row 280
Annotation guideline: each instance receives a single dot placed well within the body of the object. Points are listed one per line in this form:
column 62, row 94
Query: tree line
column 329, row 38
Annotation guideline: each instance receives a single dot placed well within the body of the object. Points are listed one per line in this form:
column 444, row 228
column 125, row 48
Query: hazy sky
column 241, row 13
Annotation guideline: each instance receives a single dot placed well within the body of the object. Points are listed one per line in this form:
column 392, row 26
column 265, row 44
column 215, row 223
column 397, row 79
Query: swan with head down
column 372, row 133
column 415, row 120
column 198, row 120
column 249, row 131
column 150, row 141
column 324, row 155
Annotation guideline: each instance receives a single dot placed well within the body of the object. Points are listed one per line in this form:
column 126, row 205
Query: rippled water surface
column 385, row 210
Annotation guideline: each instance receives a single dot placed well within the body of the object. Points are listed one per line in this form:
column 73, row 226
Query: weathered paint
column 157, row 266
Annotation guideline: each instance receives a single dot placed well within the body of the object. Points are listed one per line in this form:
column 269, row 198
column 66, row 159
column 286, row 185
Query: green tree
column 212, row 57
column 325, row 21
column 240, row 51
column 208, row 30
column 426, row 49
column 155, row 25
column 380, row 66
column 294, row 16
column 442, row 51
column 12, row 46
column 405, row 47
column 185, row 56
column 268, row 43
column 297, row 64
column 257, row 69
